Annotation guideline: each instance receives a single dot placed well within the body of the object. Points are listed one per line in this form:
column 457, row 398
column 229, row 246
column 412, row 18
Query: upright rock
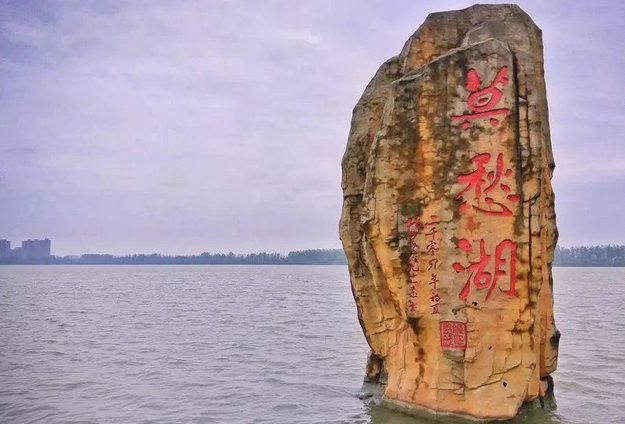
column 448, row 219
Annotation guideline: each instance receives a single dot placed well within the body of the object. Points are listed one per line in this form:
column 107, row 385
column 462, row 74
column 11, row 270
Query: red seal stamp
column 453, row 335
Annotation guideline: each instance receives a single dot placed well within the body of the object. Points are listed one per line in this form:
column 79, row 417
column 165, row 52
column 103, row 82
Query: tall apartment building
column 5, row 249
column 36, row 249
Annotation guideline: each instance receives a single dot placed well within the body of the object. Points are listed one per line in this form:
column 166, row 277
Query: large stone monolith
column 448, row 219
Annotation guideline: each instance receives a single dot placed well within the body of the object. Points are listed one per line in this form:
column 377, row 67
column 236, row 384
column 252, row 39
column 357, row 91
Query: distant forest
column 301, row 257
column 565, row 256
column 609, row 255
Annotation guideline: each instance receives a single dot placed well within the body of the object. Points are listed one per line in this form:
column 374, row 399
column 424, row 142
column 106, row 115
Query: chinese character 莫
column 482, row 102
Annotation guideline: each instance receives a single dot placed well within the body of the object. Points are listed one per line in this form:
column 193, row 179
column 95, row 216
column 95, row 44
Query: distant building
column 36, row 249
column 31, row 250
column 5, row 249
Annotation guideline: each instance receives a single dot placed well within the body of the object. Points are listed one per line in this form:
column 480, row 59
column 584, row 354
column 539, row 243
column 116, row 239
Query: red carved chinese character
column 483, row 183
column 435, row 309
column 433, row 221
column 432, row 247
column 482, row 102
column 412, row 306
column 453, row 335
column 432, row 233
column 505, row 254
column 413, row 291
column 413, row 266
column 432, row 264
column 434, row 281
column 413, row 226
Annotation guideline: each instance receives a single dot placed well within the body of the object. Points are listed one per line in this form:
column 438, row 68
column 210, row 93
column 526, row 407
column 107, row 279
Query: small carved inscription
column 413, row 228
column 432, row 248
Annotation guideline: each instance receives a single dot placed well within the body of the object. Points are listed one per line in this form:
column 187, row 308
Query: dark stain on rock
column 414, row 324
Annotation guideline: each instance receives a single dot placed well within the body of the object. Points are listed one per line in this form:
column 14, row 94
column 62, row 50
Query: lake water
column 248, row 344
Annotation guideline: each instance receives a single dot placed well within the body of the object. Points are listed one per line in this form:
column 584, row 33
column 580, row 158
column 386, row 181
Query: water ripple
column 247, row 344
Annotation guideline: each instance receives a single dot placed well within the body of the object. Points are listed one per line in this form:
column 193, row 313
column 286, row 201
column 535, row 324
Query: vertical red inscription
column 483, row 182
column 453, row 335
column 429, row 229
column 482, row 102
column 413, row 228
column 432, row 249
column 480, row 277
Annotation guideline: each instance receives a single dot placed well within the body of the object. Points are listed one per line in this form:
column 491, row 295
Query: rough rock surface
column 448, row 219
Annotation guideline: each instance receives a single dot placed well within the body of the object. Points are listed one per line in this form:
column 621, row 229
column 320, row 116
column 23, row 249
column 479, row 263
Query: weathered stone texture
column 448, row 219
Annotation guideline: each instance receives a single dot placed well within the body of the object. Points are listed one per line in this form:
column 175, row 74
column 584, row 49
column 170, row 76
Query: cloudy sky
column 189, row 126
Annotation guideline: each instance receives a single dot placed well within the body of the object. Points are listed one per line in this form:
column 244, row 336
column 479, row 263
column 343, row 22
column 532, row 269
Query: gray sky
column 190, row 126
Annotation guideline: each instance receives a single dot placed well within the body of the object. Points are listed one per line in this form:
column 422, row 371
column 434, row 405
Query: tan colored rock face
column 448, row 218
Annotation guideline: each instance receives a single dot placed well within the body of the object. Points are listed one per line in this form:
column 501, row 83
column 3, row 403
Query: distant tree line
column 301, row 257
column 609, row 255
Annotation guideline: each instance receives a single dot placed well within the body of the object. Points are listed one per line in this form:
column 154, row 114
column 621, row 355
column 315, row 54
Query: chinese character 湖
column 480, row 277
